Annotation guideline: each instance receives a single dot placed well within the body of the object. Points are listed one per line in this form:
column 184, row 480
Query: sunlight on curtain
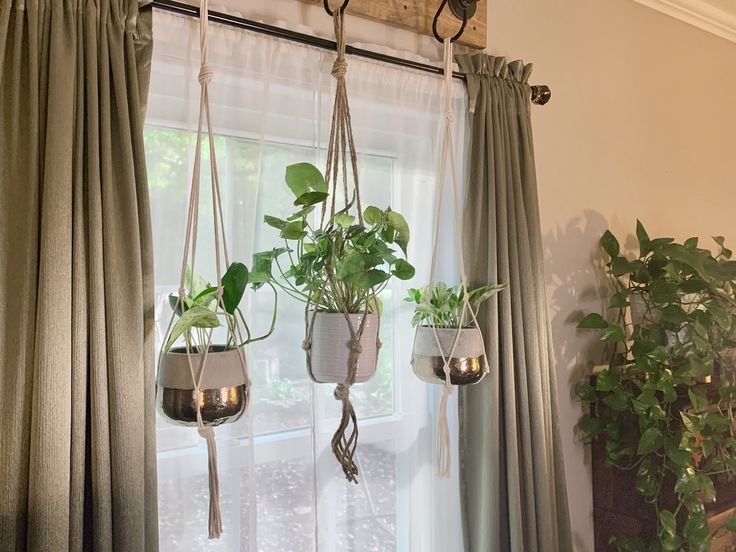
column 272, row 101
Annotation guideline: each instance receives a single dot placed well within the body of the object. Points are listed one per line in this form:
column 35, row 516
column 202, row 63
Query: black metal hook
column 463, row 5
column 341, row 8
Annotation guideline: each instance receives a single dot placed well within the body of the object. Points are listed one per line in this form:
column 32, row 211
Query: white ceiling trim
column 698, row 13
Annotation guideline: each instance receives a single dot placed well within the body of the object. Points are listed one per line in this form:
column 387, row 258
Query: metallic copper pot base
column 218, row 406
column 463, row 371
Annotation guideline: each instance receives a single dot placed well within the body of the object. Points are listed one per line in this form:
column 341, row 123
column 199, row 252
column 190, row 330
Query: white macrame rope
column 204, row 77
column 444, row 456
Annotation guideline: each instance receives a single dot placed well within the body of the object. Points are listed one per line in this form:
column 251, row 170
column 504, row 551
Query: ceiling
column 714, row 16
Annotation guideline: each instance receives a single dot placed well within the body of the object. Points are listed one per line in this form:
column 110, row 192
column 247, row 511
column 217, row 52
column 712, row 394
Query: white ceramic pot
column 224, row 389
column 467, row 364
column 331, row 347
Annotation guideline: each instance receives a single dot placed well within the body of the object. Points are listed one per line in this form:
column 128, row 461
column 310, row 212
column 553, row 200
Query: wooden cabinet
column 619, row 510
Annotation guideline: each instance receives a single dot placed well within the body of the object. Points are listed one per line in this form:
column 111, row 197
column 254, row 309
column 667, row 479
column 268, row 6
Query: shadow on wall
column 575, row 283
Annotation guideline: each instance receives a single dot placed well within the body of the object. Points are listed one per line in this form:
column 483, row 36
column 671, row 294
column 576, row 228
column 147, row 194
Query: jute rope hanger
column 444, row 456
column 341, row 152
column 189, row 257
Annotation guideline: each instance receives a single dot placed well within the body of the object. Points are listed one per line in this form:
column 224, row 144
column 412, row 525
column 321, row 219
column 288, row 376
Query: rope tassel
column 215, row 519
column 444, row 451
column 344, row 446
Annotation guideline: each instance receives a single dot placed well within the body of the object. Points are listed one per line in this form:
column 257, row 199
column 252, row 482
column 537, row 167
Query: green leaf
column 344, row 220
column 691, row 243
column 675, row 315
column 697, row 532
column 294, row 230
column 196, row 317
column 311, row 198
column 402, row 229
column 234, row 282
column 372, row 215
column 662, row 292
column 195, row 283
column 693, row 285
column 593, row 321
column 605, row 381
column 697, row 399
column 303, row 177
column 643, row 237
column 205, row 297
column 368, row 279
column 301, row 213
column 610, row 244
column 650, row 441
column 620, row 266
column 731, row 524
column 613, row 332
column 403, row 270
column 619, row 300
column 667, row 523
column 275, row 222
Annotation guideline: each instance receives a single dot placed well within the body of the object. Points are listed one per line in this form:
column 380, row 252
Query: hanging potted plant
column 223, row 388
column 337, row 269
column 445, row 333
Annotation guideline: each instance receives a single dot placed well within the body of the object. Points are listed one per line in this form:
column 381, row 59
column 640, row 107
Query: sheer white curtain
column 281, row 489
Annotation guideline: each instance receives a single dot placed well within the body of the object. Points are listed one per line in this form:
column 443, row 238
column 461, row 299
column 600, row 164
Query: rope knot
column 205, row 74
column 307, row 344
column 342, row 392
column 356, row 347
column 339, row 68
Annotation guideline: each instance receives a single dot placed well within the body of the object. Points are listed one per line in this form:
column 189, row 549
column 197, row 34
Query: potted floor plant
column 663, row 407
column 446, row 332
column 344, row 261
column 224, row 385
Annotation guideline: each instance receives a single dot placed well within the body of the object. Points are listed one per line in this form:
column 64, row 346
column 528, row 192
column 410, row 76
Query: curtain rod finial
column 541, row 94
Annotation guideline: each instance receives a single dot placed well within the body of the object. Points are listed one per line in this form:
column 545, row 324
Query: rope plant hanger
column 448, row 355
column 212, row 373
column 341, row 162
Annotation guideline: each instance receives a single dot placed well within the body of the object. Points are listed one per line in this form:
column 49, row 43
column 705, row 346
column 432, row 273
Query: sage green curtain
column 77, row 450
column 512, row 474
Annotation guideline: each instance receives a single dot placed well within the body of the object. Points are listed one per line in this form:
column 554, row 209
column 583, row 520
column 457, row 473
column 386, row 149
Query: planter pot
column 223, row 395
column 466, row 365
column 638, row 308
column 331, row 347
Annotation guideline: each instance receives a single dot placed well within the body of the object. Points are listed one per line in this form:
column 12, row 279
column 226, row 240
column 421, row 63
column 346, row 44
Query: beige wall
column 642, row 124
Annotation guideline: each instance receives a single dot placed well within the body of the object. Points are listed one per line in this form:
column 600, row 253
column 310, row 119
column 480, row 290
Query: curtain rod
column 541, row 94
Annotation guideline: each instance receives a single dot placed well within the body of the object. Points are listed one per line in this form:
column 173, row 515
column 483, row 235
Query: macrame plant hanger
column 444, row 456
column 341, row 153
column 188, row 259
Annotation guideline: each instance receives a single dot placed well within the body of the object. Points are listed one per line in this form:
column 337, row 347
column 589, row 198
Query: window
column 281, row 489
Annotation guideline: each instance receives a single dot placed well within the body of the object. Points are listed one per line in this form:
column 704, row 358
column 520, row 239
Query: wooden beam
column 417, row 16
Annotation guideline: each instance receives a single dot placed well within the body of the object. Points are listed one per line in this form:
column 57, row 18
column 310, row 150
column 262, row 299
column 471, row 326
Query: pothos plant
column 343, row 262
column 653, row 407
column 199, row 312
column 445, row 306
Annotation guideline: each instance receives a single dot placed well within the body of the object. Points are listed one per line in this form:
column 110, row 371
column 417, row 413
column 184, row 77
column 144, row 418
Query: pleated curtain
column 77, row 451
column 512, row 474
